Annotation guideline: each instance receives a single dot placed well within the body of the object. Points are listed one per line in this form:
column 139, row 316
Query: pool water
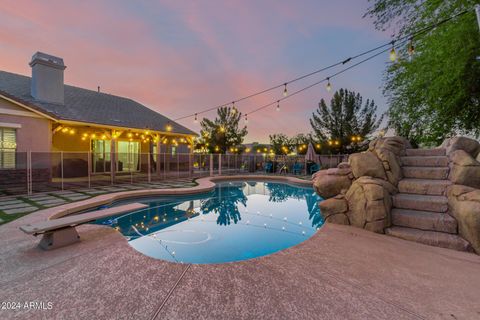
column 236, row 221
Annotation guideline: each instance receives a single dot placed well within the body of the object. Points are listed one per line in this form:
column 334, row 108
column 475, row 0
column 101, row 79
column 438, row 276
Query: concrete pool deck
column 340, row 273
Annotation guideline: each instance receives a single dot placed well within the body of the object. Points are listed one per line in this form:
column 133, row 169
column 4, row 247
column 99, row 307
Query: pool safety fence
column 34, row 172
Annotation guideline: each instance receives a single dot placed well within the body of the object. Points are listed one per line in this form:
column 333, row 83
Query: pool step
column 431, row 238
column 424, row 220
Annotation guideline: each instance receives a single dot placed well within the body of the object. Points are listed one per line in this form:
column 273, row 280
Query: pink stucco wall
column 35, row 133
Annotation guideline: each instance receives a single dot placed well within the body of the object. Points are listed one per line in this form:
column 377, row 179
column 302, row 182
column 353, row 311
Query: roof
column 89, row 106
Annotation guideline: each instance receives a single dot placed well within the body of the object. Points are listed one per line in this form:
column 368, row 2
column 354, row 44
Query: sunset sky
column 179, row 57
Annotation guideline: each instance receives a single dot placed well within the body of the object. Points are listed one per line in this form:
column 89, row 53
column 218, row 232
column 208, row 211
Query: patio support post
column 89, row 161
column 164, row 165
column 158, row 156
column 113, row 160
column 178, row 164
column 168, row 157
column 61, row 167
column 190, row 168
column 149, row 167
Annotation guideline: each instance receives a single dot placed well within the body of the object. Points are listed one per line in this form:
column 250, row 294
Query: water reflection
column 224, row 203
column 227, row 202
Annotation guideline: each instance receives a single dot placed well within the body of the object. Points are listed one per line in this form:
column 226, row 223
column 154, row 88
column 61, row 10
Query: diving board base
column 59, row 238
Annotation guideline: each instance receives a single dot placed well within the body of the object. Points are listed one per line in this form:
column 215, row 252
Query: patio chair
column 314, row 168
column 297, row 168
column 268, row 167
column 283, row 168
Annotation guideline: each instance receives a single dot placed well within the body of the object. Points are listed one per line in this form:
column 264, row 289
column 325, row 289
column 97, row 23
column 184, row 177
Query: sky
column 181, row 57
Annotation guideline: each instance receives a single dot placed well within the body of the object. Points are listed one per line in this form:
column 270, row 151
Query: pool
column 236, row 221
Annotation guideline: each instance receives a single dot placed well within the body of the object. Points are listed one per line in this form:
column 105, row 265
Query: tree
column 280, row 143
column 223, row 133
column 301, row 141
column 346, row 122
column 436, row 92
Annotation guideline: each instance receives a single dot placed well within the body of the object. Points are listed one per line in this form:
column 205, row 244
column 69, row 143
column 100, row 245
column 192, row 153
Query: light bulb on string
column 285, row 92
column 393, row 54
column 246, row 118
column 233, row 111
column 329, row 85
column 278, row 105
column 196, row 119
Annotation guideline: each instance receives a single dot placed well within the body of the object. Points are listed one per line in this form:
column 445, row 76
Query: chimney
column 47, row 78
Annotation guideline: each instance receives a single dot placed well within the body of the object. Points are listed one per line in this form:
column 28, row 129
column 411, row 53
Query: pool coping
column 205, row 184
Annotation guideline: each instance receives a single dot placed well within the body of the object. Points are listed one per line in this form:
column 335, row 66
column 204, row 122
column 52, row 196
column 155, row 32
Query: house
column 44, row 119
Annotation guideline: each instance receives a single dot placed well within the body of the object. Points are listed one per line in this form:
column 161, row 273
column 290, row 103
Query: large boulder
column 464, row 169
column 397, row 145
column 369, row 204
column 330, row 182
column 333, row 210
column 365, row 203
column 468, row 145
column 366, row 164
column 391, row 164
column 464, row 203
column 389, row 150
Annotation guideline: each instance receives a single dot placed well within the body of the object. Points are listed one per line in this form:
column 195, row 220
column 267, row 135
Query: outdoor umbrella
column 311, row 155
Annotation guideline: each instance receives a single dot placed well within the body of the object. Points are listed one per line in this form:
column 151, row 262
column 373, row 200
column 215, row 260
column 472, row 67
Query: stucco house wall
column 34, row 132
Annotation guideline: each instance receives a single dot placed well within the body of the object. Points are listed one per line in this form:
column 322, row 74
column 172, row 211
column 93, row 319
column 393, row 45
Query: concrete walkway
column 340, row 273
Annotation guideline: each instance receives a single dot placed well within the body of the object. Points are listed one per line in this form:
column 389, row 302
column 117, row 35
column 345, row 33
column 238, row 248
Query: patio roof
column 89, row 106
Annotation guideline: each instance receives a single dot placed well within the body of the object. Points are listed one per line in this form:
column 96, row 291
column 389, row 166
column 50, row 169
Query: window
column 8, row 147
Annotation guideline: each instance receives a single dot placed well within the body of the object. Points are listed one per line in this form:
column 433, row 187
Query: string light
column 196, row 119
column 233, row 110
column 329, row 86
column 393, row 54
column 246, row 118
column 278, row 105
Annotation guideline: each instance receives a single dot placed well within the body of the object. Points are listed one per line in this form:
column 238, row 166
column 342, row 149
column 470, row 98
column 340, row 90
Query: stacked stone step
column 420, row 209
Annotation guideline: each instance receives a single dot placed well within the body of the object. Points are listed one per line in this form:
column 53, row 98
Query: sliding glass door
column 128, row 156
column 101, row 156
